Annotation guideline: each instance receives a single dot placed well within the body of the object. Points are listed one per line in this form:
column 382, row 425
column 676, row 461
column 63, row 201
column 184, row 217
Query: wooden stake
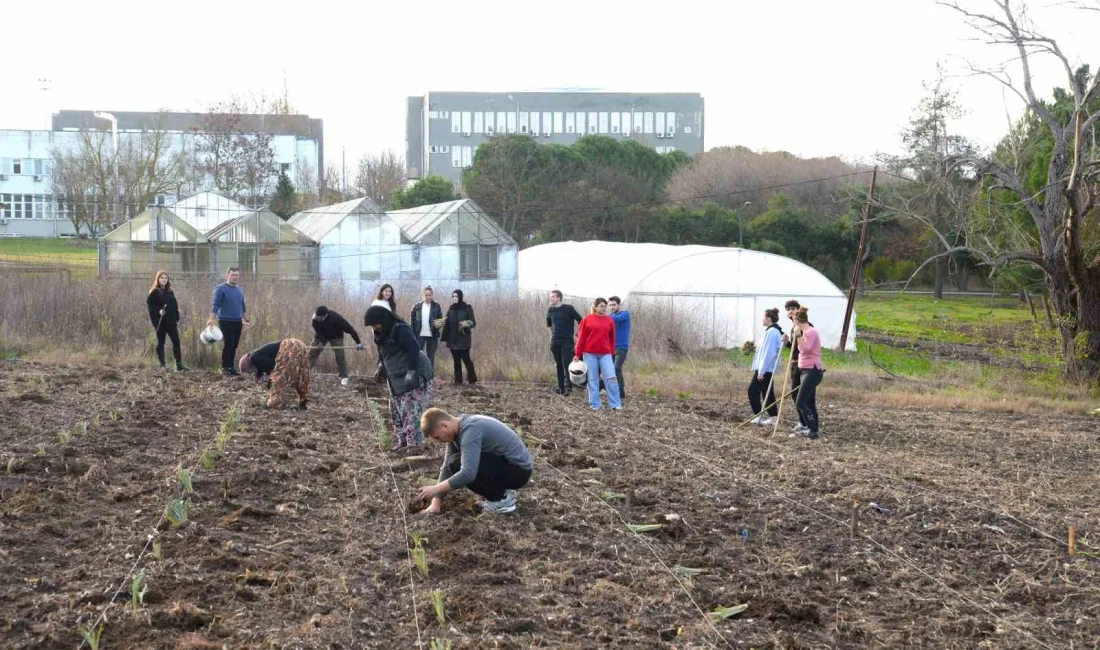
column 786, row 381
column 855, row 281
column 855, row 519
column 1072, row 541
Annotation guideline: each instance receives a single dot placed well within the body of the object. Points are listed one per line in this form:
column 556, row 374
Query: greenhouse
column 259, row 243
column 721, row 293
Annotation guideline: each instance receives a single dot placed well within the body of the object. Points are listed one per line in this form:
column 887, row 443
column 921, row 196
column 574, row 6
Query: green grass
column 950, row 320
column 48, row 250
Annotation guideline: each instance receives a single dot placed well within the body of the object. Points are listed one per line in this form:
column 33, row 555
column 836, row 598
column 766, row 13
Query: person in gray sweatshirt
column 483, row 454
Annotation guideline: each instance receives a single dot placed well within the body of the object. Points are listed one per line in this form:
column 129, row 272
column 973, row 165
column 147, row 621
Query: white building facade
column 28, row 209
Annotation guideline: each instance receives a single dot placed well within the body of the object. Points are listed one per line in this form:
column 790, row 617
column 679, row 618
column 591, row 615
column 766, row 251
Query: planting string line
column 376, row 426
column 896, row 556
column 1058, row 542
column 645, row 542
column 902, row 559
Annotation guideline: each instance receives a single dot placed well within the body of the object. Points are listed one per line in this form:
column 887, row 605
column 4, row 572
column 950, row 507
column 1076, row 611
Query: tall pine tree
column 283, row 203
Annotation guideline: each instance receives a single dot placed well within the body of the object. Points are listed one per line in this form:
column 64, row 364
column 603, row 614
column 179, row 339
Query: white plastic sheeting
column 720, row 292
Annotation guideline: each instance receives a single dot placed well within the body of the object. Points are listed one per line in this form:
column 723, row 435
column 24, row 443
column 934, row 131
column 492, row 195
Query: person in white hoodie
column 765, row 360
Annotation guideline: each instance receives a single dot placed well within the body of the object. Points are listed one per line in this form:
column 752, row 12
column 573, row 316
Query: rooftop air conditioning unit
column 467, row 134
column 3, row 177
column 659, row 134
column 671, row 133
column 489, row 130
column 37, row 178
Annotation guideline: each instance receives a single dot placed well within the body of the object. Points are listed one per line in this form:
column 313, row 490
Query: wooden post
column 855, row 519
column 1072, row 540
column 786, row 382
column 854, row 285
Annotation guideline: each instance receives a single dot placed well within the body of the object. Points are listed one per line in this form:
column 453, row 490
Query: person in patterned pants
column 287, row 364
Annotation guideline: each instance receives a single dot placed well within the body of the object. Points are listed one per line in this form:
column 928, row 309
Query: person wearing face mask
column 409, row 375
column 596, row 345
column 458, row 335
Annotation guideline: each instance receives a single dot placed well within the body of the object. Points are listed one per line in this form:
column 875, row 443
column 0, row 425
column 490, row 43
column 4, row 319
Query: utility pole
column 859, row 262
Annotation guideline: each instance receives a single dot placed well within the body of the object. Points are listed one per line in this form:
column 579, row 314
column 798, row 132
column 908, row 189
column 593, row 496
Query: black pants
column 807, row 397
column 318, row 346
column 463, row 357
column 171, row 331
column 562, row 351
column 494, row 475
column 231, row 338
column 757, row 387
column 796, row 381
column 428, row 345
column 620, row 359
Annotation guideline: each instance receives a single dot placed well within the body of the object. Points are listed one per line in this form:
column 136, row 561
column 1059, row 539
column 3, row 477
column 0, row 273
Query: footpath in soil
column 298, row 532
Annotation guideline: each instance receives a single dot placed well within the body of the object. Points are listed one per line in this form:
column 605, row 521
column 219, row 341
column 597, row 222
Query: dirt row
column 298, row 537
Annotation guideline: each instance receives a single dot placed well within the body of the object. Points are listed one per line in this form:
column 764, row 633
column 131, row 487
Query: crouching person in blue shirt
column 483, row 454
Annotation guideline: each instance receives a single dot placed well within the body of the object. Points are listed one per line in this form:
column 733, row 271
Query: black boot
column 180, row 367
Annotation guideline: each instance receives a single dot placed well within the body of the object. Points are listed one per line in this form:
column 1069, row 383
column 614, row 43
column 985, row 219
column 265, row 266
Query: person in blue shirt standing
column 622, row 339
column 228, row 309
column 764, row 362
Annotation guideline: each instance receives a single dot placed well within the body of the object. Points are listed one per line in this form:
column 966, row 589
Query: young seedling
column 440, row 644
column 40, row 450
column 177, row 512
column 208, row 458
column 652, row 392
column 420, row 559
column 116, row 415
column 684, row 394
column 687, row 572
column 184, row 477
column 590, row 470
column 91, row 635
column 95, row 420
column 644, row 528
column 722, row 613
column 64, row 437
column 138, row 588
column 82, row 427
column 437, row 604
column 608, row 495
column 158, row 552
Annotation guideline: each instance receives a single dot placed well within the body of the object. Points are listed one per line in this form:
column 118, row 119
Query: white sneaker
column 344, row 382
column 757, row 420
column 798, row 427
column 767, row 422
column 502, row 507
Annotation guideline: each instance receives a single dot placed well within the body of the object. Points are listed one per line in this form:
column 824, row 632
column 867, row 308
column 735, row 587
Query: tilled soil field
column 298, row 531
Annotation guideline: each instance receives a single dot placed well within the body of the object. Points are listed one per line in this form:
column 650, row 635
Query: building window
column 489, row 122
column 648, row 122
column 433, row 114
column 284, row 168
column 534, row 123
column 660, row 117
column 478, row 261
column 456, row 122
column 467, row 122
column 5, row 206
column 17, row 166
column 593, row 122
column 559, row 120
column 467, row 156
column 479, row 122
column 444, row 115
column 603, row 122
column 570, row 123
column 637, row 122
column 547, row 123
column 456, row 156
column 524, row 122
column 687, row 130
column 670, row 123
column 580, row 122
column 511, row 122
column 502, row 122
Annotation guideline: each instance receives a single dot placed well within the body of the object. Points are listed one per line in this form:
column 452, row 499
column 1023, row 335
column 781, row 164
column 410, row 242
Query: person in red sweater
column 596, row 345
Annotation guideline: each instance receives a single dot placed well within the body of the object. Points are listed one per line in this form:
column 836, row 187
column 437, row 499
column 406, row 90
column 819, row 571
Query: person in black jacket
column 287, row 364
column 164, row 313
column 561, row 319
column 426, row 317
column 458, row 335
column 329, row 328
column 409, row 374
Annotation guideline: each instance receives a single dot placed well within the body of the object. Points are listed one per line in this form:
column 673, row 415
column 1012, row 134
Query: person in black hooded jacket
column 458, row 335
column 329, row 328
column 409, row 374
column 164, row 314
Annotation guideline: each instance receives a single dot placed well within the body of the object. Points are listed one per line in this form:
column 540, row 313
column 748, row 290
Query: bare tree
column 233, row 146
column 379, row 176
column 1063, row 208
column 96, row 185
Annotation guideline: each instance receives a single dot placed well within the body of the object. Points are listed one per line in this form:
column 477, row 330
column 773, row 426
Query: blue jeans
column 602, row 365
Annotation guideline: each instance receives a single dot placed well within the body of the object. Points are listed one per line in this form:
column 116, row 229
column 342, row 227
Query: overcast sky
column 811, row 77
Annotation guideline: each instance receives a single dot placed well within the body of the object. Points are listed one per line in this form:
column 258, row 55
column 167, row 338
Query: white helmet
column 578, row 373
column 210, row 335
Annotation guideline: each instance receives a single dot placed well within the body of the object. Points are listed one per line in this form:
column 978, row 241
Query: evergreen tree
column 283, row 203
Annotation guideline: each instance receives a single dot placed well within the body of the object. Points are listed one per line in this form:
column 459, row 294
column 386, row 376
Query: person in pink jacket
column 811, row 370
